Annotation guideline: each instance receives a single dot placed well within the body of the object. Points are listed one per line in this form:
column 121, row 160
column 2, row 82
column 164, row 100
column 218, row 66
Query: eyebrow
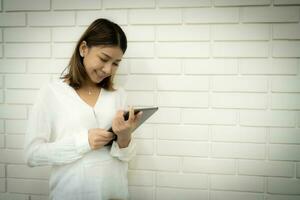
column 110, row 56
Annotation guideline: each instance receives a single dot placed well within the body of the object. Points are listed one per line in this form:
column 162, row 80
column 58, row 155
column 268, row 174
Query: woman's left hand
column 123, row 129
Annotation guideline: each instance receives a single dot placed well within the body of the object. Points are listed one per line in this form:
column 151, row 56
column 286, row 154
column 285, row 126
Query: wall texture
column 225, row 74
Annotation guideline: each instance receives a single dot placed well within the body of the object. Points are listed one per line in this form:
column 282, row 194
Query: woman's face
column 100, row 61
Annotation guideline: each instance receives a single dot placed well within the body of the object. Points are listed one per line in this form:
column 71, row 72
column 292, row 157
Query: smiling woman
column 67, row 127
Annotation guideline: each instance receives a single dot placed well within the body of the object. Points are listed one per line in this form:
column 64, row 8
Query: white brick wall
column 225, row 74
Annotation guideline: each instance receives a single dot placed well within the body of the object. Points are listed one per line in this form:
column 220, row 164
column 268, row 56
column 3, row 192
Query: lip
column 100, row 75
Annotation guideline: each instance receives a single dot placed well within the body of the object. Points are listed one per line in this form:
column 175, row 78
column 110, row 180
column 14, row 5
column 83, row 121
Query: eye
column 116, row 64
column 103, row 60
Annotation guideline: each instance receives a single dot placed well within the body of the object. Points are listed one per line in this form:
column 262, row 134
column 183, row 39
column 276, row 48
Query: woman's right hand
column 99, row 137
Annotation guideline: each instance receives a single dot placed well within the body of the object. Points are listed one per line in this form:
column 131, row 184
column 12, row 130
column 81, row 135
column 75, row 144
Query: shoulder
column 47, row 90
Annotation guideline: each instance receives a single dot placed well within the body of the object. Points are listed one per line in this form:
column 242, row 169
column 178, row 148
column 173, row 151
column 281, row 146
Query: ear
column 83, row 49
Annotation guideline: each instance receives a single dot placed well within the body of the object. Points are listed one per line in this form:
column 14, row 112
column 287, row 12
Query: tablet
column 147, row 113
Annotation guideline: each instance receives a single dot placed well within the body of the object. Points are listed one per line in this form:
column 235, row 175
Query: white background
column 225, row 74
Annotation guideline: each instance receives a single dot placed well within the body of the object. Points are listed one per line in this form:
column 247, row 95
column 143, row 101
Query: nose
column 107, row 68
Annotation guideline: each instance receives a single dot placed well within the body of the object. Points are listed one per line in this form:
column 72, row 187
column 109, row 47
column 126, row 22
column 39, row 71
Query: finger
column 138, row 116
column 131, row 114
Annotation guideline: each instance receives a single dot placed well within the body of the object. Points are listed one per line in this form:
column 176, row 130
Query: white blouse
column 57, row 135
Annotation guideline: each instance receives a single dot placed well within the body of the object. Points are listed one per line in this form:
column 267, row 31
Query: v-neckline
column 100, row 95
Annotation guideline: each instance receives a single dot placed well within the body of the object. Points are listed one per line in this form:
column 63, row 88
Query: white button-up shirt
column 57, row 135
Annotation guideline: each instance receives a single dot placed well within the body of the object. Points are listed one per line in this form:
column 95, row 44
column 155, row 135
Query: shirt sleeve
column 123, row 154
column 39, row 150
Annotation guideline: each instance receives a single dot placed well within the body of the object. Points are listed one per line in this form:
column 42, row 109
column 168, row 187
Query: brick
column 140, row 50
column 149, row 16
column 166, row 115
column 39, row 197
column 13, row 111
column 183, row 4
column 87, row 17
column 282, row 197
column 144, row 132
column 237, row 183
column 285, row 135
column 269, row 66
column 27, row 35
column 25, row 172
column 21, row 50
column 285, row 84
column 182, row 99
column 205, row 116
column 146, row 82
column 46, row 66
column 76, row 5
column 218, row 195
column 164, row 193
column 158, row 163
column 1, row 126
column 137, row 193
column 183, row 49
column 266, row 168
column 2, row 185
column 139, row 33
column 20, row 96
column 67, row 34
column 63, row 50
column 240, row 49
column 238, row 100
column 1, row 96
column 241, row 2
column 286, row 2
column 145, row 147
column 210, row 15
column 12, row 156
column 240, row 32
column 283, row 186
column 286, row 49
column 2, row 171
column 153, row 66
column 298, row 170
column 51, row 18
column 193, row 181
column 270, row 14
column 175, row 132
column 12, row 66
column 140, row 98
column 183, row 33
column 238, row 134
column 285, row 101
column 187, row 148
column 238, row 150
column 26, row 81
column 183, row 83
column 27, row 186
column 240, row 84
column 1, row 81
column 128, row 4
column 2, row 141
column 21, row 5
column 210, row 66
column 141, row 178
column 208, row 166
column 12, row 196
column 284, row 152
column 15, row 141
column 12, row 19
column 267, row 118
column 15, row 126
column 286, row 31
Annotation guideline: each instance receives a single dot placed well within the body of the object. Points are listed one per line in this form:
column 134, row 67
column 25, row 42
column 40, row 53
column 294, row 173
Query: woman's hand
column 99, row 137
column 123, row 129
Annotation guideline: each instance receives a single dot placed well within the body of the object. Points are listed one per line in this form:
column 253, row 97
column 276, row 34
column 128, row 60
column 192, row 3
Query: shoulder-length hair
column 100, row 32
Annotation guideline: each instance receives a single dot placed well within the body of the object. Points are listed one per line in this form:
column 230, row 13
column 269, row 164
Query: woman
column 67, row 128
